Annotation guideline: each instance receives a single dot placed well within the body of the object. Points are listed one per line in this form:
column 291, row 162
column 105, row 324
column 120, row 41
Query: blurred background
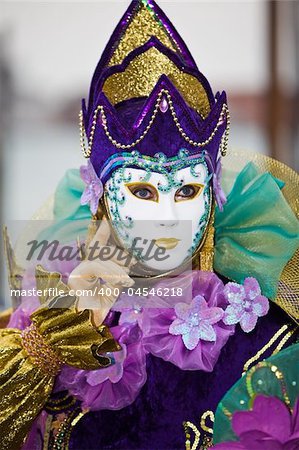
column 48, row 51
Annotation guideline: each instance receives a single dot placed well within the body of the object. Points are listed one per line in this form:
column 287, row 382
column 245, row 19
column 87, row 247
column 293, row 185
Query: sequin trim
column 154, row 163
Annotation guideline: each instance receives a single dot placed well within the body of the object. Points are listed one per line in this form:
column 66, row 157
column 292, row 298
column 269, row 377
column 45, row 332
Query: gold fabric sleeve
column 30, row 359
column 24, row 389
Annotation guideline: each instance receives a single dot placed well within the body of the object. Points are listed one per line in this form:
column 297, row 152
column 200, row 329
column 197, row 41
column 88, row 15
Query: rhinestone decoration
column 168, row 167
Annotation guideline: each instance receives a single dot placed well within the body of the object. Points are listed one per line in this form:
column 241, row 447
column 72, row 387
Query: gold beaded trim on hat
column 224, row 115
column 41, row 353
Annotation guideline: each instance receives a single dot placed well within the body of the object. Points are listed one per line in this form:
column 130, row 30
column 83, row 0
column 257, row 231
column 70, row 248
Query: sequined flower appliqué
column 94, row 187
column 246, row 304
column 195, row 322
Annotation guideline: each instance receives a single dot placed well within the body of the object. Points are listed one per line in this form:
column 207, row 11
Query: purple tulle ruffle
column 116, row 386
column 160, row 340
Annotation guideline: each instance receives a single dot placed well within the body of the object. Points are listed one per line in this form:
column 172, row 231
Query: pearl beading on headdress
column 224, row 115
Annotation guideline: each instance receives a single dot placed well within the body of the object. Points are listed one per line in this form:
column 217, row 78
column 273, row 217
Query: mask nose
column 167, row 223
column 166, row 217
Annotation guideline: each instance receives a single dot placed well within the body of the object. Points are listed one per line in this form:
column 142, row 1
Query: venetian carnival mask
column 151, row 210
column 154, row 135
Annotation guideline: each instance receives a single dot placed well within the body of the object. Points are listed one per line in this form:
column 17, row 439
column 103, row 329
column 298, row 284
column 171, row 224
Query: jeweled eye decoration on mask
column 116, row 198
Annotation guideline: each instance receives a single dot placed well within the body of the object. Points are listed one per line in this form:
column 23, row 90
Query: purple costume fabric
column 149, row 414
column 171, row 396
column 190, row 334
column 168, row 333
column 116, row 386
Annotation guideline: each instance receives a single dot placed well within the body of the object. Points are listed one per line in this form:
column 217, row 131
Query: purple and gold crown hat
column 149, row 101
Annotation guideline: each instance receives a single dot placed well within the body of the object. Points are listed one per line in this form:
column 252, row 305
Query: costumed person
column 145, row 362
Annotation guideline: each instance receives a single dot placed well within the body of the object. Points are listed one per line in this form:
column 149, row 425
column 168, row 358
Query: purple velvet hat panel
column 128, row 122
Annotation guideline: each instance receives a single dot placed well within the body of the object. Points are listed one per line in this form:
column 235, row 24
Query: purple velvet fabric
column 171, row 396
column 189, row 333
column 163, row 135
column 113, row 387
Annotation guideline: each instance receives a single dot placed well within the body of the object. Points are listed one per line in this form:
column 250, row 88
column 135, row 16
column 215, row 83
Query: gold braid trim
column 86, row 150
column 40, row 352
column 206, row 256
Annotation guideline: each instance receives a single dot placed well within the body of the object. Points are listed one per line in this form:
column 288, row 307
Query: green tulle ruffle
column 257, row 232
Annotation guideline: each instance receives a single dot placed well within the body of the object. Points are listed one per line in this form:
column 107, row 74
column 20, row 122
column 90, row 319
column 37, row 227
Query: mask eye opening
column 195, row 190
column 143, row 191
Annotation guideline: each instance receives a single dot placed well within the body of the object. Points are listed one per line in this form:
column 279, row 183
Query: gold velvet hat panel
column 142, row 74
column 142, row 24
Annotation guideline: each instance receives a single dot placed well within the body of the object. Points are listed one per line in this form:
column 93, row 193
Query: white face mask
column 164, row 217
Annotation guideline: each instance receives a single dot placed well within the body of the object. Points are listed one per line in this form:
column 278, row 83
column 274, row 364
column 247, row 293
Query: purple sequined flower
column 218, row 191
column 268, row 426
column 246, row 304
column 94, row 187
column 195, row 322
